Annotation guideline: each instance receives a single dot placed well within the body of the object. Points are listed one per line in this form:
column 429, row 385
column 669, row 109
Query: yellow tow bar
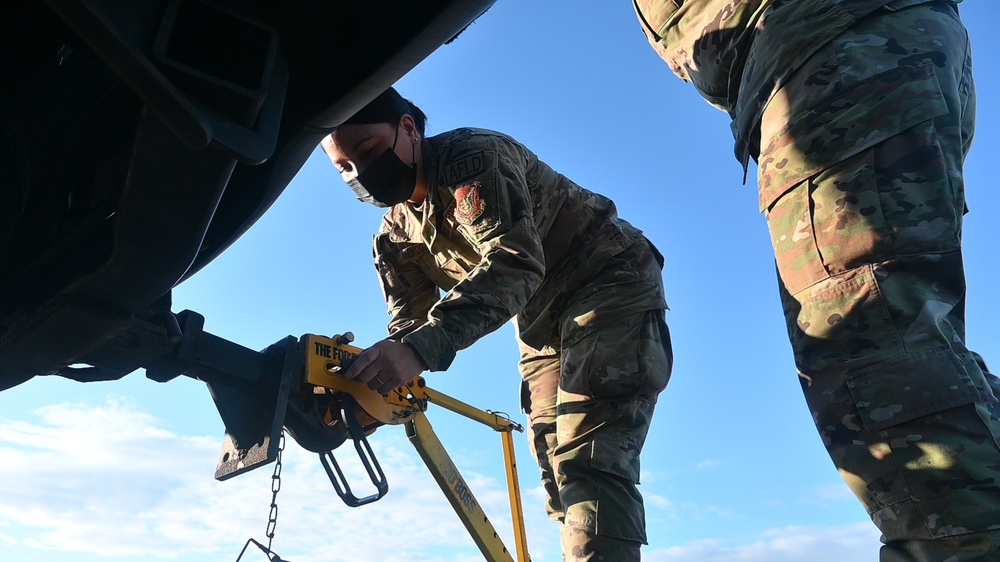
column 324, row 357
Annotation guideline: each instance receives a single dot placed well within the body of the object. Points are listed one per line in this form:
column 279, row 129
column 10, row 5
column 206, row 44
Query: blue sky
column 733, row 468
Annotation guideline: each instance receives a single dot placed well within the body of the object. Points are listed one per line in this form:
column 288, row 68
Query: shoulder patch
column 465, row 168
column 468, row 204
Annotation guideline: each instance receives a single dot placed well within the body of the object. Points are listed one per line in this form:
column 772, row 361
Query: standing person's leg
column 587, row 446
column 590, row 404
column 607, row 394
column 616, row 358
column 540, row 383
column 861, row 181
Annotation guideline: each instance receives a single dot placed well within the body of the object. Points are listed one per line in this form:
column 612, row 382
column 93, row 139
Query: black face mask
column 387, row 181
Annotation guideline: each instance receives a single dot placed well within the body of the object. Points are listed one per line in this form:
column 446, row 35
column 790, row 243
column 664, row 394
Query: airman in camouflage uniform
column 860, row 114
column 504, row 236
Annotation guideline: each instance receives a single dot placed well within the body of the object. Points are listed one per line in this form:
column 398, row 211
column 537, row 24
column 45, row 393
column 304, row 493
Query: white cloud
column 830, row 493
column 97, row 482
column 109, row 481
column 858, row 541
column 658, row 501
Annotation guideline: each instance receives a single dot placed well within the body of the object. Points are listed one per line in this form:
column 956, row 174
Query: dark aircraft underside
column 140, row 138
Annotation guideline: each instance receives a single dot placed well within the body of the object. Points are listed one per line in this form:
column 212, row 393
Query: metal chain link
column 272, row 517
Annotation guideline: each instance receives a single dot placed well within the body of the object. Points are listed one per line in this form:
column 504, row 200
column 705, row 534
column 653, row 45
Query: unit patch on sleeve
column 468, row 205
column 465, row 168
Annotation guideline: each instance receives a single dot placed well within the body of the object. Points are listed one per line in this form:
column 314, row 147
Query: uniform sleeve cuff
column 432, row 344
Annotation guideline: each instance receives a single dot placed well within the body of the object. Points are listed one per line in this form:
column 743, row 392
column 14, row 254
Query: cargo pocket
column 913, row 386
column 623, row 360
column 616, row 449
column 620, row 511
column 924, row 463
column 625, row 524
column 846, row 124
column 859, row 179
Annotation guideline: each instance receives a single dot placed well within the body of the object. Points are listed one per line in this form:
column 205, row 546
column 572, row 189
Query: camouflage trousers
column 590, row 397
column 861, row 182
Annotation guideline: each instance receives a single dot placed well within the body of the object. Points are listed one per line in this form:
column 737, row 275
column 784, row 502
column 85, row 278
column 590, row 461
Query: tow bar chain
column 272, row 516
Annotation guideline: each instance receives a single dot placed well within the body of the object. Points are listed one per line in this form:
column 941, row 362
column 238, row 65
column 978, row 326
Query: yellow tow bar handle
column 362, row 410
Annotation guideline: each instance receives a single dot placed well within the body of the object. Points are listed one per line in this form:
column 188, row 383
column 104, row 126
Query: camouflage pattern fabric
column 504, row 236
column 861, row 182
column 590, row 397
column 704, row 41
column 738, row 53
column 869, row 252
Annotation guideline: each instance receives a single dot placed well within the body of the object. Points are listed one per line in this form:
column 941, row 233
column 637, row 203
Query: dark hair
column 388, row 107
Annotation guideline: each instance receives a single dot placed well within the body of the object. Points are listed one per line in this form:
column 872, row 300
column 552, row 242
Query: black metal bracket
column 250, row 389
column 254, row 414
column 348, row 416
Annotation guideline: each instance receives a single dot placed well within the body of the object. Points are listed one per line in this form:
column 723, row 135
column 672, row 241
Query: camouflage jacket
column 501, row 234
column 738, row 53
